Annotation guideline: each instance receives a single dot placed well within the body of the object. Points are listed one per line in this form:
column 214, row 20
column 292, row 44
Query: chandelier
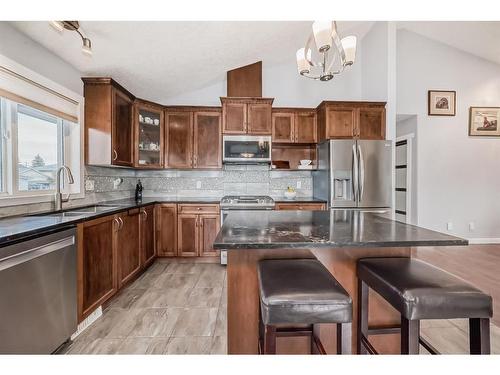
column 331, row 54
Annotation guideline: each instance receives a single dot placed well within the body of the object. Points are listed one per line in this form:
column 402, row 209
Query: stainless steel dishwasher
column 38, row 293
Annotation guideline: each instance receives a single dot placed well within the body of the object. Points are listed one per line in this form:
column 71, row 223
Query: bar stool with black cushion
column 301, row 292
column 420, row 291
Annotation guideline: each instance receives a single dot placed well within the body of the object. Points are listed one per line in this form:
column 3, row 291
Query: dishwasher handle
column 30, row 254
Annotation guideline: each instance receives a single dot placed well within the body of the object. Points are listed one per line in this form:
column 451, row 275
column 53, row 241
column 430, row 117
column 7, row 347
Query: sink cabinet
column 97, row 266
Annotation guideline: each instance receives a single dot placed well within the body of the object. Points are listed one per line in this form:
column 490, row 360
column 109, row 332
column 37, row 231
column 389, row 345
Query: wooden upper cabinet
column 109, row 135
column 259, row 118
column 305, row 127
column 351, row 120
column 166, row 230
column 234, row 118
column 128, row 245
column 147, row 235
column 371, row 123
column 207, row 140
column 179, row 140
column 247, row 116
column 283, row 127
column 148, row 134
column 341, row 122
column 96, row 263
column 294, row 125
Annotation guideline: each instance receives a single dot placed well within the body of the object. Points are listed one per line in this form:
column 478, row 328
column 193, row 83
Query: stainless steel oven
column 246, row 149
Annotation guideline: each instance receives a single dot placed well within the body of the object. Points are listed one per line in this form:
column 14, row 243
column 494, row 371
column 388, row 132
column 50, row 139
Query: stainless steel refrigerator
column 354, row 174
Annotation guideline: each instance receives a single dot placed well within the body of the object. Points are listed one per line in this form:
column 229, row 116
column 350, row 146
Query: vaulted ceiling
column 156, row 60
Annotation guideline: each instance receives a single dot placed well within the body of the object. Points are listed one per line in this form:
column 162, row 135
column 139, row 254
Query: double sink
column 85, row 211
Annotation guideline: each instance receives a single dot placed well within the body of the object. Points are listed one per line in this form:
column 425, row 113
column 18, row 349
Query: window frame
column 72, row 144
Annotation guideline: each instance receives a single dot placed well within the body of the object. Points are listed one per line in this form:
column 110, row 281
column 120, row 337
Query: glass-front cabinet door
column 149, row 136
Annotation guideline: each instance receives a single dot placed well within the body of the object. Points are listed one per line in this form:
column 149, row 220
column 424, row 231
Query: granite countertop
column 17, row 228
column 316, row 229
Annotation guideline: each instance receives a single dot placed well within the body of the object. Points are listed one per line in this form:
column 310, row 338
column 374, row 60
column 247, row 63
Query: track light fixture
column 73, row 26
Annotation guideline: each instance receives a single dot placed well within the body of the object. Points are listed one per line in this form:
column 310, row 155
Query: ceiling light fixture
column 333, row 54
column 74, row 26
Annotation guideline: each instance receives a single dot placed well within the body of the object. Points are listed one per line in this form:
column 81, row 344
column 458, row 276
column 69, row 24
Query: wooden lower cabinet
column 301, row 206
column 147, row 235
column 128, row 245
column 197, row 227
column 97, row 264
column 209, row 226
column 166, row 230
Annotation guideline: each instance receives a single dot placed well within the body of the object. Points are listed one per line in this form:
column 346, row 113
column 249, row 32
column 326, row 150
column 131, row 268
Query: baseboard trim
column 483, row 241
column 87, row 322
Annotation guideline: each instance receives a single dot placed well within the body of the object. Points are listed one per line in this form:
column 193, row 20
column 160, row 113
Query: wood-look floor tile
column 102, row 327
column 205, row 297
column 101, row 346
column 143, row 345
column 212, row 276
column 145, row 281
column 219, row 345
column 189, row 345
column 172, row 281
column 447, row 340
column 152, row 322
column 184, row 268
column 164, row 298
column 127, row 298
column 157, row 268
column 221, row 323
column 196, row 322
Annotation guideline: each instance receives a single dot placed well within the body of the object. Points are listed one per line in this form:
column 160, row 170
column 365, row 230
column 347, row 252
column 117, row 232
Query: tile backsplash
column 117, row 183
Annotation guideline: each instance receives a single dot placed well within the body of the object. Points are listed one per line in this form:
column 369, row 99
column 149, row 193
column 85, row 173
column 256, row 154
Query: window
column 39, row 143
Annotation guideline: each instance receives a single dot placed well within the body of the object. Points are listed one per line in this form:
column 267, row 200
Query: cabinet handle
column 143, row 211
column 115, row 220
column 121, row 223
column 115, row 155
column 199, row 208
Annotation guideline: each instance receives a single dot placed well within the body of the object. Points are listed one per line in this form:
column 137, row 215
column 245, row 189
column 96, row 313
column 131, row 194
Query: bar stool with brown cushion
column 301, row 292
column 419, row 291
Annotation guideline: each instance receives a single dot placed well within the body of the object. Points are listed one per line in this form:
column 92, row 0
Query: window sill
column 8, row 200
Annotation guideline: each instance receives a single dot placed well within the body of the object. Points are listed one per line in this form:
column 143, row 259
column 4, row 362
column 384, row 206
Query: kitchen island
column 337, row 238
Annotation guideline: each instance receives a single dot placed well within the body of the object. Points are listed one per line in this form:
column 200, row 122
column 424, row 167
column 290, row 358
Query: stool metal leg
column 269, row 339
column 479, row 335
column 362, row 330
column 344, row 335
column 410, row 334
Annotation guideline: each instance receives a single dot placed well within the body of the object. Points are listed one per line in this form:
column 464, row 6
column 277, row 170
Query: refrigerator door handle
column 361, row 173
column 354, row 173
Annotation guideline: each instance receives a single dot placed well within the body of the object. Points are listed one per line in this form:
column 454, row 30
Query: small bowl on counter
column 290, row 195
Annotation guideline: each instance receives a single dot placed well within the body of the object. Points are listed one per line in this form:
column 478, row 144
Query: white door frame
column 409, row 169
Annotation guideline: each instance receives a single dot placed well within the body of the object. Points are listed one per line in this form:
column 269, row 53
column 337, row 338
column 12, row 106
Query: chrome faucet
column 59, row 200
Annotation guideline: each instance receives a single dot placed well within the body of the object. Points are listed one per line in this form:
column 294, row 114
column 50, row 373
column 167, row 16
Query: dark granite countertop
column 17, row 228
column 315, row 229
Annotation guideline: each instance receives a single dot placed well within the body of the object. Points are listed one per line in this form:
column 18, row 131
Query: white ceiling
column 479, row 38
column 157, row 60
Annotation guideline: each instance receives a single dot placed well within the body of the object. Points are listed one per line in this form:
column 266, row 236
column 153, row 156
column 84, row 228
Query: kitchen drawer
column 300, row 206
column 198, row 208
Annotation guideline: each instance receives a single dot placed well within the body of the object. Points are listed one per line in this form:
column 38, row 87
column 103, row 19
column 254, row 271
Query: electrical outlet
column 198, row 184
column 472, row 226
column 89, row 185
column 449, row 226
column 299, row 184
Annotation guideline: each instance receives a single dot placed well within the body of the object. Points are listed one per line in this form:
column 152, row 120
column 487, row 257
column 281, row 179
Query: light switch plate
column 198, row 184
column 299, row 184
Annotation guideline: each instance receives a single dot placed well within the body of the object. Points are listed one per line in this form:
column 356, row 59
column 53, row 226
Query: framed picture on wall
column 483, row 121
column 442, row 103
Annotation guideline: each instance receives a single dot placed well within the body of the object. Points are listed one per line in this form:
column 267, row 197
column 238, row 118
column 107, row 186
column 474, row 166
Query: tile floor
column 173, row 308
column 180, row 308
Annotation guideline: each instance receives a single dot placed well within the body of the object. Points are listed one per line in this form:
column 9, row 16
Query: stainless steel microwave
column 246, row 149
